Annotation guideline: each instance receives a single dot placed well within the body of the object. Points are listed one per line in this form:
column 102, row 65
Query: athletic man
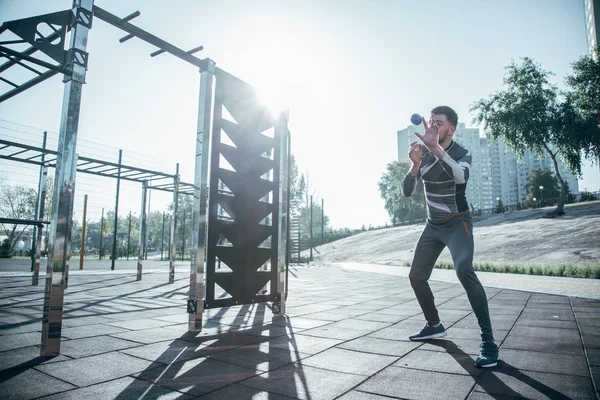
column 444, row 167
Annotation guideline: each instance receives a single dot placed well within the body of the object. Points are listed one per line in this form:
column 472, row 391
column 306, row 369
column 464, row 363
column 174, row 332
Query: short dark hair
column 450, row 114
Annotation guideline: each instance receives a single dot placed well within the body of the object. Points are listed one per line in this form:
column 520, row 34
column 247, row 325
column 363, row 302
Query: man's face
column 445, row 128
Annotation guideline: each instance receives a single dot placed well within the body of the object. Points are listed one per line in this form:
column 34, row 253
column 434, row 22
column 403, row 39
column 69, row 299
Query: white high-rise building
column 592, row 24
column 510, row 175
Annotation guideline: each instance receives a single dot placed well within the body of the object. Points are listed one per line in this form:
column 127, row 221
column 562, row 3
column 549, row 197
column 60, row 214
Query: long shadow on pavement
column 489, row 382
column 227, row 361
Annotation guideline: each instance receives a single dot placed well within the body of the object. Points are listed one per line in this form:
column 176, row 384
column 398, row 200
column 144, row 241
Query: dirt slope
column 522, row 236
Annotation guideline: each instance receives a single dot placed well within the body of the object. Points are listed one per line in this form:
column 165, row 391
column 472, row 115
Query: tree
column 544, row 178
column 401, row 208
column 585, row 90
column 17, row 202
column 531, row 114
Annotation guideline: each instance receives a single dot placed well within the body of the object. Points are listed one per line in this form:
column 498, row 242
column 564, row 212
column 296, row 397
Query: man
column 444, row 167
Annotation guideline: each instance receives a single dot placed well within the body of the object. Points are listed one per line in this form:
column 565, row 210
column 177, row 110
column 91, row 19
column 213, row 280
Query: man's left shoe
column 488, row 356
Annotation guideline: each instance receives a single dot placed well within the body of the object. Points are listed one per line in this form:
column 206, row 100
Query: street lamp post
column 541, row 196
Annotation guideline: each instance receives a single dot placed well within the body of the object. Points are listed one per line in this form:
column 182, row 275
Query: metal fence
column 100, row 202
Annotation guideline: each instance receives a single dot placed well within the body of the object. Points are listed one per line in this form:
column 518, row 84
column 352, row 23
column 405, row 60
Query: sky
column 352, row 72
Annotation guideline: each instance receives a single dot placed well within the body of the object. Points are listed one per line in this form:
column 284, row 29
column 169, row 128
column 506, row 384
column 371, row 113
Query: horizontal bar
column 32, row 82
column 17, row 221
column 148, row 37
column 126, row 38
column 9, row 82
column 34, row 60
column 32, row 49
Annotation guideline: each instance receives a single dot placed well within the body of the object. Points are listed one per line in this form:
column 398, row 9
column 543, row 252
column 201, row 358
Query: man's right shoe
column 429, row 332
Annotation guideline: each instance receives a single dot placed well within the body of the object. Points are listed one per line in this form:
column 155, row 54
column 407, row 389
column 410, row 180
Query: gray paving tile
column 153, row 335
column 360, row 325
column 356, row 395
column 139, row 324
column 596, row 375
column 400, row 331
column 25, row 357
column 85, row 347
column 349, row 361
column 546, row 323
column 303, row 343
column 415, row 384
column 305, row 382
column 196, row 377
column 123, row 388
column 549, row 314
column 374, row 345
column 95, row 369
column 173, row 350
column 29, row 384
column 548, row 345
column 11, row 342
column 300, row 322
column 474, row 333
column 591, row 341
column 334, row 332
column 593, row 356
column 237, row 391
column 534, row 385
column 454, row 363
column 570, row 335
column 260, row 356
column 545, row 362
column 83, row 331
column 379, row 317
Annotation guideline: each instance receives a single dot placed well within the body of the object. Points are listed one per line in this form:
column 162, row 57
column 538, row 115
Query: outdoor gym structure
column 240, row 217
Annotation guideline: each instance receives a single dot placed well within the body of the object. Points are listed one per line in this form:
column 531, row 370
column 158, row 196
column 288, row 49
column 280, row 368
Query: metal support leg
column 39, row 231
column 279, row 306
column 116, row 222
column 83, row 232
column 142, row 232
column 199, row 220
column 38, row 216
column 173, row 238
column 64, row 183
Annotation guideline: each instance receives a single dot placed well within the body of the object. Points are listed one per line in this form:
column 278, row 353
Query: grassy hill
column 517, row 237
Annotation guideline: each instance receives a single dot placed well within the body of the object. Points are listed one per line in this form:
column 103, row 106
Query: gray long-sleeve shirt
column 445, row 182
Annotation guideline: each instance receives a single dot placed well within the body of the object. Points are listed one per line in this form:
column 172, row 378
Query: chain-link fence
column 106, row 210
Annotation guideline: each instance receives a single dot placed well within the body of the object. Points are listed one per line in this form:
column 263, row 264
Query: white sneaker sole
column 434, row 336
column 486, row 366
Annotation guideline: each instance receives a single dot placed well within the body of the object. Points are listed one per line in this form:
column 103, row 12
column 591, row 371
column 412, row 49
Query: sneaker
column 488, row 356
column 429, row 332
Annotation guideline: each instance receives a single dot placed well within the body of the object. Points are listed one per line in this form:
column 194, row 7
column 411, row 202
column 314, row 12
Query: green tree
column 401, row 208
column 544, row 178
column 16, row 202
column 584, row 85
column 531, row 114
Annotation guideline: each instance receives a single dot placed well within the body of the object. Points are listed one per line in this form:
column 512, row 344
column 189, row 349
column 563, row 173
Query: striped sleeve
column 460, row 168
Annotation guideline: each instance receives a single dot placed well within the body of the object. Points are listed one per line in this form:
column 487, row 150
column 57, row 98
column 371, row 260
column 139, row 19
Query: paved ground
column 345, row 337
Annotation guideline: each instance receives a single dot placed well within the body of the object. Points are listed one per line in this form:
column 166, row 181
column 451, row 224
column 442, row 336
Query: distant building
column 592, row 24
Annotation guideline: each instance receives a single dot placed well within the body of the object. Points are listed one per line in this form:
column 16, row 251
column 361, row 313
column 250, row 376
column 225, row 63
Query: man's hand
column 431, row 138
column 415, row 153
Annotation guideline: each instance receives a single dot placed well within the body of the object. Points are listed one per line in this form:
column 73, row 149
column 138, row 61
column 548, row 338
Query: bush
column 6, row 250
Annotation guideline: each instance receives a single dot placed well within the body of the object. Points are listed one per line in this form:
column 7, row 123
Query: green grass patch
column 588, row 271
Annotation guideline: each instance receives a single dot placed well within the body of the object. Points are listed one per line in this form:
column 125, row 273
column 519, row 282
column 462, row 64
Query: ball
column 416, row 119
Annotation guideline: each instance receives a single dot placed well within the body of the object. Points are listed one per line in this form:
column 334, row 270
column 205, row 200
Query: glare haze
column 352, row 73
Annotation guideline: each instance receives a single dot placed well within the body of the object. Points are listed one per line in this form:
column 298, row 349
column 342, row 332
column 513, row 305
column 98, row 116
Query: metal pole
column 82, row 251
column 39, row 231
column 162, row 238
column 129, row 236
column 101, row 231
column 37, row 205
column 142, row 232
column 147, row 222
column 281, row 133
column 183, row 237
column 311, row 228
column 116, row 223
column 173, row 235
column 64, row 183
column 322, row 221
column 199, row 220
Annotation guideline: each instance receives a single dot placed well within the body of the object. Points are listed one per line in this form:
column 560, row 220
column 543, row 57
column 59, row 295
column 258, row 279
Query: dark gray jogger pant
column 457, row 234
